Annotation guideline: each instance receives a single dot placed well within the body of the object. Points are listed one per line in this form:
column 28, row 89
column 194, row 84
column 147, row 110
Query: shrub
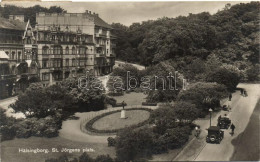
column 110, row 101
column 43, row 127
column 133, row 144
column 149, row 104
column 104, row 158
column 7, row 129
column 85, row 158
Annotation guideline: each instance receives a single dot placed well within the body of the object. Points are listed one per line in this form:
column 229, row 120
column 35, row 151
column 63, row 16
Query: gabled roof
column 99, row 22
column 12, row 24
column 3, row 55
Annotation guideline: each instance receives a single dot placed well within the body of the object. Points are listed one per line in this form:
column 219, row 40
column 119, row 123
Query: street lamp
column 210, row 110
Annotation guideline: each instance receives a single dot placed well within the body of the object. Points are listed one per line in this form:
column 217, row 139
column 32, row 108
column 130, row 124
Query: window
column 73, row 50
column 74, row 62
column 45, row 76
column 82, row 50
column 44, row 63
column 67, row 50
column 82, row 63
column 53, row 37
column 56, row 63
column 107, row 51
column 57, row 50
column 19, row 56
column 13, row 55
column 45, row 37
column 45, row 50
column 67, row 62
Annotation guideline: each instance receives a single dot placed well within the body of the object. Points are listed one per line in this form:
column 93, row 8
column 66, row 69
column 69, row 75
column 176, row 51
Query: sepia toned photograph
column 129, row 81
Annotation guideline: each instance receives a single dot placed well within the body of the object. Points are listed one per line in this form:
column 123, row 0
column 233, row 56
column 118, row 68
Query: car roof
column 214, row 128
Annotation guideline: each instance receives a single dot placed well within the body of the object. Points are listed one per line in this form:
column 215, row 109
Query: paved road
column 242, row 108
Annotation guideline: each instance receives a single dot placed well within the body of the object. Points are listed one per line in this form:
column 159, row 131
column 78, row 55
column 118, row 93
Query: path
column 71, row 129
column 9, row 111
column 242, row 108
column 139, row 67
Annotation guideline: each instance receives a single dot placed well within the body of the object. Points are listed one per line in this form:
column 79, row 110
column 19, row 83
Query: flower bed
column 89, row 126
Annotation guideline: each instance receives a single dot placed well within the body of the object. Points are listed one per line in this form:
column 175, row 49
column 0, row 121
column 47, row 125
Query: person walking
column 245, row 93
column 230, row 97
column 232, row 127
column 123, row 103
column 242, row 91
column 197, row 131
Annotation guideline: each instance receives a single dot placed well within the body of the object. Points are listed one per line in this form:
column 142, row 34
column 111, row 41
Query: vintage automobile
column 224, row 122
column 215, row 135
column 225, row 108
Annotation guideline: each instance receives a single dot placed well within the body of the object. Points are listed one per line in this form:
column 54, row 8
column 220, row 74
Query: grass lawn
column 113, row 121
column 10, row 149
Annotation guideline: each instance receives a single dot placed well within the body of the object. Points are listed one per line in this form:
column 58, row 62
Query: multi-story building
column 60, row 45
column 69, row 44
column 17, row 67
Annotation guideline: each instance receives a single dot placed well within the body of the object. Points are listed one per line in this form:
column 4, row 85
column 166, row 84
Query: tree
column 186, row 112
column 40, row 102
column 224, row 76
column 204, row 95
column 253, row 73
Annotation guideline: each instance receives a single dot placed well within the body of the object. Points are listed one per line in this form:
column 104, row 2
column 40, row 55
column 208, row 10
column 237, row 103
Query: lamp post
column 210, row 110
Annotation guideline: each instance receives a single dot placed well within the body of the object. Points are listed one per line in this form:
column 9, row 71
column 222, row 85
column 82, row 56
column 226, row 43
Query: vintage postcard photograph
column 129, row 81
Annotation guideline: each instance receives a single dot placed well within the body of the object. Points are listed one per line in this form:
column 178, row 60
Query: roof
column 3, row 55
column 12, row 24
column 99, row 22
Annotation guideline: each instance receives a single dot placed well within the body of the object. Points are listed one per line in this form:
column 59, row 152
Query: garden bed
column 91, row 128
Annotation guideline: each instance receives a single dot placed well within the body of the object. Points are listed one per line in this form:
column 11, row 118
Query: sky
column 129, row 12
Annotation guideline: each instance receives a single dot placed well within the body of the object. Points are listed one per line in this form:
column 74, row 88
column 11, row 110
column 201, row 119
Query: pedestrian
column 242, row 91
column 123, row 103
column 197, row 131
column 232, row 127
column 230, row 97
column 219, row 118
column 245, row 93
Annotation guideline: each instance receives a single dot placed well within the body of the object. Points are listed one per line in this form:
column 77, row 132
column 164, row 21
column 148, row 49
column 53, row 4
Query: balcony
column 100, row 35
column 7, row 77
column 56, row 69
column 55, row 56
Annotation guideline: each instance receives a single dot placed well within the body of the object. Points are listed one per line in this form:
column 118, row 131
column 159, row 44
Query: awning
column 3, row 55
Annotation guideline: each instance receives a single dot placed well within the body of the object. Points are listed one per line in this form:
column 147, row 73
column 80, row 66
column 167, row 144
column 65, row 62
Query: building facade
column 59, row 46
column 70, row 44
column 17, row 68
